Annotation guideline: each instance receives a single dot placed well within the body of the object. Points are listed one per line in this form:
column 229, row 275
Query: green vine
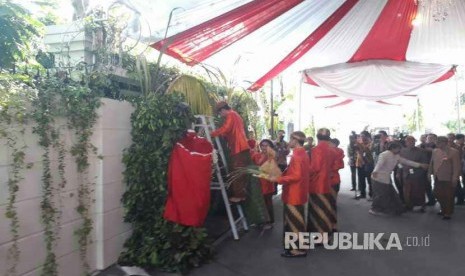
column 75, row 101
column 44, row 117
column 157, row 123
column 13, row 96
column 11, row 213
column 81, row 112
column 59, row 146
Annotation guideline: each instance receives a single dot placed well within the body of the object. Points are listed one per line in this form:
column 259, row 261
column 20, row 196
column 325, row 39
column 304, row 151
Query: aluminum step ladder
column 207, row 125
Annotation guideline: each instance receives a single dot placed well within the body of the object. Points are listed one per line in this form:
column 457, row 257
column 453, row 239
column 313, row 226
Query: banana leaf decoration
column 194, row 93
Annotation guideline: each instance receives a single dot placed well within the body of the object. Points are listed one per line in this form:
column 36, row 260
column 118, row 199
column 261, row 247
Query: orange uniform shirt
column 338, row 164
column 321, row 168
column 295, row 179
column 233, row 131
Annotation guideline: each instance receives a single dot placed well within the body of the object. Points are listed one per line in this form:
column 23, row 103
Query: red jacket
column 295, row 179
column 337, row 165
column 234, row 133
column 321, row 168
column 267, row 186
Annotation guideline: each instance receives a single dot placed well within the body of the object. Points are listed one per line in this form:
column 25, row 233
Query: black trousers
column 353, row 175
column 364, row 177
column 460, row 190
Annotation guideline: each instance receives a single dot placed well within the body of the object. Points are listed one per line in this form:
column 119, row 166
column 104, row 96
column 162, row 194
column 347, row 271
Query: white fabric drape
column 189, row 14
column 255, row 54
column 376, row 79
column 439, row 41
column 431, row 43
column 340, row 44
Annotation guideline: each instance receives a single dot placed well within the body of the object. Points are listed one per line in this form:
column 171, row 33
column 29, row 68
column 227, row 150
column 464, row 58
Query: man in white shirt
column 385, row 198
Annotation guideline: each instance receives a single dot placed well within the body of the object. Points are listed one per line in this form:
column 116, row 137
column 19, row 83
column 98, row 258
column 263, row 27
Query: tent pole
column 300, row 103
column 418, row 115
column 271, row 112
column 457, row 94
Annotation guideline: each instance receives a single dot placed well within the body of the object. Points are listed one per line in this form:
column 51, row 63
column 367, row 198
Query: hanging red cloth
column 189, row 177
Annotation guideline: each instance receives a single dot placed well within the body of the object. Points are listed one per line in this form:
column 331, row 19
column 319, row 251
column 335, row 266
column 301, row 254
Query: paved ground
column 258, row 253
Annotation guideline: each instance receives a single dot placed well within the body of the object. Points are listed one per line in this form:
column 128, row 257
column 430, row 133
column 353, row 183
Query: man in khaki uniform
column 445, row 167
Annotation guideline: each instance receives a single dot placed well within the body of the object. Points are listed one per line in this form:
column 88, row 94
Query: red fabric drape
column 446, row 76
column 386, row 103
column 200, row 42
column 307, row 79
column 348, row 101
column 305, row 45
column 390, row 35
column 189, row 177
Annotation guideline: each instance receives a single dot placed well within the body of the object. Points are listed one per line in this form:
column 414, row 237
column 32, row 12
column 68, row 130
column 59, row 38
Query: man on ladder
column 234, row 133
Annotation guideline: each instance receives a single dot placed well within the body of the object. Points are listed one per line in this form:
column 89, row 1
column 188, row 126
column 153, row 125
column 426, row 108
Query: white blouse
column 387, row 161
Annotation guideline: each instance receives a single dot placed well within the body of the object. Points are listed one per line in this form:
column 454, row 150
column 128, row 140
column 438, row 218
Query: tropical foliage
column 157, row 123
column 18, row 34
column 194, row 92
column 42, row 98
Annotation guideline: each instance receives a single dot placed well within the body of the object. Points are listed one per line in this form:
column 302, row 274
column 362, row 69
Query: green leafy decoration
column 61, row 97
column 157, row 123
column 19, row 30
column 14, row 96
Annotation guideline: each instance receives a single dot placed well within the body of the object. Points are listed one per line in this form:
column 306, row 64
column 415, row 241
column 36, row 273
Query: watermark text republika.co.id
column 353, row 241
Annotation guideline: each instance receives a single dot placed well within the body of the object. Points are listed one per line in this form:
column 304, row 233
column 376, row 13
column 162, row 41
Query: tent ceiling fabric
column 196, row 44
column 376, row 79
column 304, row 35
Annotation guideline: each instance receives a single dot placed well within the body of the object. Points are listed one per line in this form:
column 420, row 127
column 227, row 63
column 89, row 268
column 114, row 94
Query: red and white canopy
column 348, row 47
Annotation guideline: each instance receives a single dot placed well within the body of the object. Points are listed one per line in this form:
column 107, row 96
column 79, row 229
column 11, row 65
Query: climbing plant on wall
column 50, row 106
column 157, row 123
column 62, row 97
column 15, row 97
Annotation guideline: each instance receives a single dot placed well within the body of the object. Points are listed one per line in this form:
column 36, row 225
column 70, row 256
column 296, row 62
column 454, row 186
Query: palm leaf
column 194, row 92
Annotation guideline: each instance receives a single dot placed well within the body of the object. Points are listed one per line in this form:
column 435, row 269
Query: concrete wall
column 111, row 136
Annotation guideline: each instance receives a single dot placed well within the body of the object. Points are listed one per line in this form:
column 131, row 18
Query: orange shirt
column 267, row 186
column 234, row 133
column 320, row 168
column 295, row 179
column 337, row 165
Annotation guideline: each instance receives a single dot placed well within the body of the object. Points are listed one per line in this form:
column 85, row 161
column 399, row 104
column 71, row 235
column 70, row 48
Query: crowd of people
column 435, row 161
column 310, row 181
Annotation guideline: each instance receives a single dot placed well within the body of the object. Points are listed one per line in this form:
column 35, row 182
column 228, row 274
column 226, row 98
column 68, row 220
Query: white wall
column 69, row 43
column 111, row 136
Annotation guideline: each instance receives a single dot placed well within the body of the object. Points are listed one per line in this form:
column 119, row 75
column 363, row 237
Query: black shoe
column 360, row 196
column 440, row 213
column 352, row 189
column 288, row 254
column 446, row 218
